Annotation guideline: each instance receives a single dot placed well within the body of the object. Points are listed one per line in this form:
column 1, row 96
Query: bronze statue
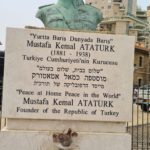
column 70, row 14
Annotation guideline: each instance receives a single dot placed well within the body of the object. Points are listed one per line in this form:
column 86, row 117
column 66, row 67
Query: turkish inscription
column 67, row 75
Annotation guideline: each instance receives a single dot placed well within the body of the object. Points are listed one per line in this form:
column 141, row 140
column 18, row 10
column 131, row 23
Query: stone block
column 60, row 125
column 43, row 141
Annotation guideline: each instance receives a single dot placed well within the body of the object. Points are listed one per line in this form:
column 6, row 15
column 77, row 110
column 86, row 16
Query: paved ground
column 140, row 137
column 139, row 117
column 140, row 129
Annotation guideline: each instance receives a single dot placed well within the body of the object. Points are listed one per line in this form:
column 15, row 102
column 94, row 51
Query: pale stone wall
column 116, row 7
column 148, row 15
column 133, row 33
column 134, row 7
column 141, row 72
column 121, row 27
column 104, row 6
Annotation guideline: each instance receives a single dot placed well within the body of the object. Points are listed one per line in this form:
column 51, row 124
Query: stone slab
column 53, row 125
column 68, row 75
column 43, row 141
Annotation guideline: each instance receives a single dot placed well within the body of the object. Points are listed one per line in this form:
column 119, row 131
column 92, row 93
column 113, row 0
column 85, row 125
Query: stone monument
column 67, row 89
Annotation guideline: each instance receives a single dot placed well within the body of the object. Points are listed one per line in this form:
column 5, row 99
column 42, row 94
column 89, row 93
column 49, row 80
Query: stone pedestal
column 58, row 81
column 43, row 141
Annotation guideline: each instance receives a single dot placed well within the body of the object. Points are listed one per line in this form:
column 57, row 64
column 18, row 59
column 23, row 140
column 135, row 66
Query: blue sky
column 19, row 13
column 143, row 3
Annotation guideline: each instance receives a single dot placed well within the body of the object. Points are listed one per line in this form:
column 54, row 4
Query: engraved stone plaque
column 68, row 75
